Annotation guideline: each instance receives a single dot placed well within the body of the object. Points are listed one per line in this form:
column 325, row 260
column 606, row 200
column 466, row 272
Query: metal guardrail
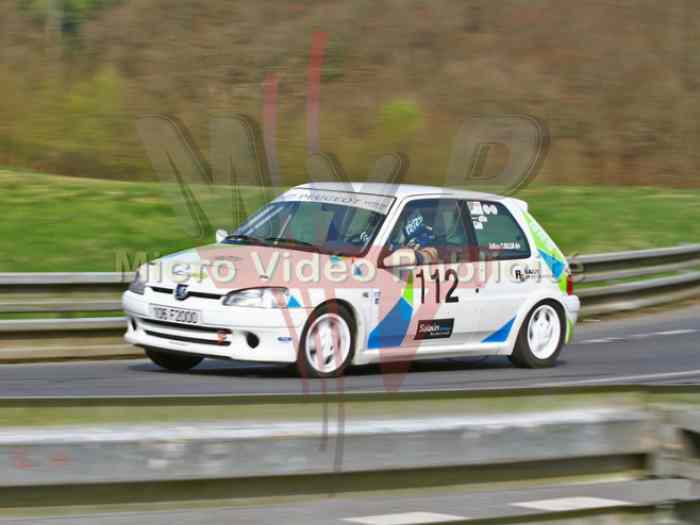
column 649, row 278
column 657, row 276
column 240, row 449
column 225, row 446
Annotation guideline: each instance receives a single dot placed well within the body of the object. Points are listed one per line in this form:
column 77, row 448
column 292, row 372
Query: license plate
column 175, row 315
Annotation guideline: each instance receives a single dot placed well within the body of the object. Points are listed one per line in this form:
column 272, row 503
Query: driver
column 417, row 235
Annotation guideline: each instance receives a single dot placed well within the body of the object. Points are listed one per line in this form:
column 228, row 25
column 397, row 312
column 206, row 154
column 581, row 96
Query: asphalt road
column 438, row 508
column 656, row 348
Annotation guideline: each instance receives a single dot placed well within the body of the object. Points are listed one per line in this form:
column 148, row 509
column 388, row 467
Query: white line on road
column 406, row 518
column 665, row 333
column 678, row 332
column 601, row 341
column 616, row 379
column 567, row 504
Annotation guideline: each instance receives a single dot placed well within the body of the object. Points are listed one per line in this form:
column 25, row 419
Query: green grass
column 609, row 218
column 53, row 223
column 79, row 411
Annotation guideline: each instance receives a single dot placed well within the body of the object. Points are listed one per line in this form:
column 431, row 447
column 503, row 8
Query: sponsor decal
column 490, row 209
column 504, row 246
column 475, row 208
column 435, row 329
column 523, row 274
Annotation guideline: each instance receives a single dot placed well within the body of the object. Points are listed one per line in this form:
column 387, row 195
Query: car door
column 507, row 277
column 437, row 301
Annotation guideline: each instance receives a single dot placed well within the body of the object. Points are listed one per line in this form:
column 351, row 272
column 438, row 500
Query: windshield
column 315, row 223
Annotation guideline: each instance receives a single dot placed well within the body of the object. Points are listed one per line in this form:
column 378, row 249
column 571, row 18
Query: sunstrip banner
column 375, row 203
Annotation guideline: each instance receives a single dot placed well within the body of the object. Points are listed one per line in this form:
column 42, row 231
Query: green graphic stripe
column 545, row 243
column 408, row 290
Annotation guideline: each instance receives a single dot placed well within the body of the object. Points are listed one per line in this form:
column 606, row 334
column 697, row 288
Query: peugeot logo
column 181, row 292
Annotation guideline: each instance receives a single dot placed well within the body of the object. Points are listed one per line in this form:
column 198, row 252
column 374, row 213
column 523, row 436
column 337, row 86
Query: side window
column 435, row 227
column 497, row 233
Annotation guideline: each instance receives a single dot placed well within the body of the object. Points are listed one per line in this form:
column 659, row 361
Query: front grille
column 160, row 289
column 201, row 295
column 189, row 339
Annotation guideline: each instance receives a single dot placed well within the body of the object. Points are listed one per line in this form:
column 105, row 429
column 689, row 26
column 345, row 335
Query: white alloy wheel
column 328, row 343
column 544, row 331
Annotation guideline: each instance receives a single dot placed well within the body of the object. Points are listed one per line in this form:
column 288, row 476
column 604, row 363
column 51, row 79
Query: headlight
column 258, row 298
column 138, row 285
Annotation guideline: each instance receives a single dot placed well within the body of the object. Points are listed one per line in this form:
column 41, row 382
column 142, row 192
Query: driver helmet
column 416, row 230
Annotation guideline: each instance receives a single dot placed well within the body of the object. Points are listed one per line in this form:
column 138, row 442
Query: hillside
column 615, row 82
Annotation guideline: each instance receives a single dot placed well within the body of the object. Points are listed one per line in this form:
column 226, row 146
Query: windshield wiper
column 241, row 237
column 289, row 240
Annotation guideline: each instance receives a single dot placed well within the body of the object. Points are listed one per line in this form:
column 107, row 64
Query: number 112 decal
column 450, row 274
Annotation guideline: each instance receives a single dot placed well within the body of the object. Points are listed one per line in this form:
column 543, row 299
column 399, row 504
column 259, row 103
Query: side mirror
column 401, row 257
column 221, row 235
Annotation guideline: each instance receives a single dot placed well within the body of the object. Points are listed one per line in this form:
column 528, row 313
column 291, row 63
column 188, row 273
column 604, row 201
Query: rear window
column 497, row 233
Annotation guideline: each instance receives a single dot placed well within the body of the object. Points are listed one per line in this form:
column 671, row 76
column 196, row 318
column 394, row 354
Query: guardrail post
column 678, row 452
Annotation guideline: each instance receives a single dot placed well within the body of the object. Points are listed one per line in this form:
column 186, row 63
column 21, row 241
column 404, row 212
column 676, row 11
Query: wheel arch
column 356, row 318
column 330, row 306
column 525, row 310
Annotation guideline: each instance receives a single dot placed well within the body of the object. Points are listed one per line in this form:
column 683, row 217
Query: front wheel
column 173, row 361
column 541, row 337
column 327, row 342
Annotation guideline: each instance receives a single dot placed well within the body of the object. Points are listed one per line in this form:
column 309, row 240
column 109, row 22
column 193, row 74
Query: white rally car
column 330, row 275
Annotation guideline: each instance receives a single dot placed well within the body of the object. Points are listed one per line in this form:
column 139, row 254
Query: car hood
column 219, row 268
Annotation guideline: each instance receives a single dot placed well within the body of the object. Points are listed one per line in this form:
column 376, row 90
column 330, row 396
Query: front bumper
column 247, row 334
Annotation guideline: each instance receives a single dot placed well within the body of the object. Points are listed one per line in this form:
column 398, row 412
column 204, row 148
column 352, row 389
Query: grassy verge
column 53, row 223
column 302, row 407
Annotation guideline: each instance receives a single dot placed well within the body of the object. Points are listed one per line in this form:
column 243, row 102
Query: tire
column 331, row 330
column 538, row 345
column 173, row 361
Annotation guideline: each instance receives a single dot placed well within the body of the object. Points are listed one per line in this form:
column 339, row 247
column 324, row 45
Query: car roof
column 400, row 191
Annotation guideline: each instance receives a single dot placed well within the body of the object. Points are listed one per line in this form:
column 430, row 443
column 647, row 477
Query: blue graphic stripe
column 500, row 335
column 391, row 331
column 554, row 264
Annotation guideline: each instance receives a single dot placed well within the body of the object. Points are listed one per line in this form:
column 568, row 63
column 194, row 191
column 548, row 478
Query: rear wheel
column 327, row 342
column 173, row 361
column 541, row 337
